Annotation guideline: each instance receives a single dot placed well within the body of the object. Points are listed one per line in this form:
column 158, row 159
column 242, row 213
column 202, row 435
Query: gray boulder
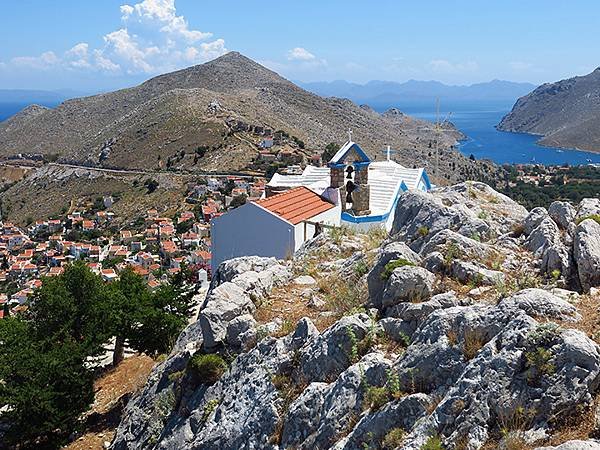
column 403, row 319
column 497, row 382
column 319, row 416
column 541, row 303
column 588, row 207
column 434, row 262
column 463, row 244
column 533, row 219
column 329, row 354
column 373, row 427
column 231, row 268
column 467, row 272
column 586, row 252
column 223, row 304
column 239, row 330
column 545, row 242
column 391, row 252
column 408, row 283
column 563, row 213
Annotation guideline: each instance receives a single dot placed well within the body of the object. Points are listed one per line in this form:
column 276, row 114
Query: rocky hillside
column 565, row 113
column 472, row 325
column 173, row 115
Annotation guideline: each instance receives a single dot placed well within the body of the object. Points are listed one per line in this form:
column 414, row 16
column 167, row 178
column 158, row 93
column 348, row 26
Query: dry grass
column 473, row 342
column 589, row 323
column 111, row 389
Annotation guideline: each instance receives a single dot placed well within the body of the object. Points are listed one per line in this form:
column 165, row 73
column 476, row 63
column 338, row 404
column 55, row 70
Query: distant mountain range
column 566, row 113
column 387, row 93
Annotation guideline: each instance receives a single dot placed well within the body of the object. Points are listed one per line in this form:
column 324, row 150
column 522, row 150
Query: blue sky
column 92, row 44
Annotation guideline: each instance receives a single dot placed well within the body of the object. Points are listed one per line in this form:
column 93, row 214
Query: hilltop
column 565, row 113
column 169, row 117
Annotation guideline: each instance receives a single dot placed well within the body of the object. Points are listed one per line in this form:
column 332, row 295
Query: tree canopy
column 47, row 379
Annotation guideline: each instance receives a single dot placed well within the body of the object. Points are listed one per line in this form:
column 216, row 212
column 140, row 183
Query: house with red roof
column 274, row 226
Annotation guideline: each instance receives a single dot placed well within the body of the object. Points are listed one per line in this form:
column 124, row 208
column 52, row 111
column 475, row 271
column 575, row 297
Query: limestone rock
column 408, row 283
column 588, row 207
column 223, row 304
column 545, row 241
column 466, row 272
column 541, row 303
column 330, row 353
column 533, row 219
column 563, row 213
column 587, row 253
column 391, row 252
column 318, row 417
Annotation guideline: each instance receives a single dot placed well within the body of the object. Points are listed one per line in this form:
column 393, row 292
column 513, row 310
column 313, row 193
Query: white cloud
column 151, row 39
column 162, row 15
column 44, row 61
column 300, row 54
column 445, row 66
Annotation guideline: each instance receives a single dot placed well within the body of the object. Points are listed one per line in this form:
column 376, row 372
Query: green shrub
column 423, row 231
column 389, row 267
column 433, row 443
column 210, row 406
column 453, row 252
column 208, row 368
column 353, row 354
column 361, row 268
column 393, row 438
column 376, row 397
column 539, row 361
column 595, row 217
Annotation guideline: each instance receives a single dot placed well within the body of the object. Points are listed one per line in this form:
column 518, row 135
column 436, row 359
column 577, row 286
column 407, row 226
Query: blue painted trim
column 361, row 163
column 360, row 152
column 347, row 217
column 426, row 179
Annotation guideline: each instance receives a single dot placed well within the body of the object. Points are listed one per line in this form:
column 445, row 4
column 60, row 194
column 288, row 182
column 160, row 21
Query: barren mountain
column 565, row 113
column 169, row 117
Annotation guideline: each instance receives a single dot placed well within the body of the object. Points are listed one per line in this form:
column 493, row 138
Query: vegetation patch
column 433, row 443
column 207, row 367
column 392, row 265
column 393, row 438
column 594, row 217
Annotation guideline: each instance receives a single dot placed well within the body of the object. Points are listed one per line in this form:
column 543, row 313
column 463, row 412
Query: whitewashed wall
column 250, row 230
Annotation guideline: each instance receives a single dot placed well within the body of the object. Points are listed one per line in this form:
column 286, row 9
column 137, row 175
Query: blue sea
column 478, row 121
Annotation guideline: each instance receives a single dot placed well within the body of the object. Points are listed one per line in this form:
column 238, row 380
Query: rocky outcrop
column 391, row 252
column 419, row 362
column 408, row 284
column 587, row 253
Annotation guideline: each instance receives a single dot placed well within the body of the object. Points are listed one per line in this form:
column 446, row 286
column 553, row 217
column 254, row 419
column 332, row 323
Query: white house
column 274, row 226
column 366, row 191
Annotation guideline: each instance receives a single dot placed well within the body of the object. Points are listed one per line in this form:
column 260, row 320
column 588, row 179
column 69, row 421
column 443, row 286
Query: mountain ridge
column 173, row 114
column 565, row 113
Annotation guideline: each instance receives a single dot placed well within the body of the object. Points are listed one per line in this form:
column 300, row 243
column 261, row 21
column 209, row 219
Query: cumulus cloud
column 300, row 54
column 445, row 66
column 152, row 38
column 44, row 61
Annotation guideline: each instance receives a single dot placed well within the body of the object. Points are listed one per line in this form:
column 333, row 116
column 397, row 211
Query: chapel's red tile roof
column 296, row 205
